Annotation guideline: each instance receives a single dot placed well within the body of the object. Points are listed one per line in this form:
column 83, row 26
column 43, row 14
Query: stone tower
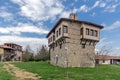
column 72, row 42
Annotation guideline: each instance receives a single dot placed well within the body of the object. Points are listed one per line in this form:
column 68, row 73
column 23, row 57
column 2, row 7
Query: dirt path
column 19, row 73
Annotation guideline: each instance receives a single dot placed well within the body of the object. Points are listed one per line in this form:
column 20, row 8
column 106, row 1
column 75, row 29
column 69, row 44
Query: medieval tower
column 72, row 42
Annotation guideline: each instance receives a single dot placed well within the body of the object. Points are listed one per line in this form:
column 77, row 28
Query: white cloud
column 104, row 43
column 116, row 51
column 24, row 41
column 75, row 10
column 113, row 26
column 112, row 5
column 23, row 28
column 107, row 6
column 108, row 45
column 39, row 9
column 65, row 14
column 98, row 4
column 4, row 14
column 84, row 8
column 102, row 4
column 111, row 8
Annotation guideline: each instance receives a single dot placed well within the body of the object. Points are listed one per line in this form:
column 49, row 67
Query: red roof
column 12, row 44
column 72, row 20
column 5, row 47
column 106, row 57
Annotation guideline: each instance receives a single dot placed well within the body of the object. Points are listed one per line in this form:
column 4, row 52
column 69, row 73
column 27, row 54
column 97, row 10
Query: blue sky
column 28, row 21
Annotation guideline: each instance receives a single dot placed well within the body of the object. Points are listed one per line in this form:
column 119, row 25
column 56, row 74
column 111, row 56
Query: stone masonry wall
column 72, row 54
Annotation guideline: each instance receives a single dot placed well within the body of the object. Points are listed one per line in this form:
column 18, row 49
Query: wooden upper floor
column 72, row 28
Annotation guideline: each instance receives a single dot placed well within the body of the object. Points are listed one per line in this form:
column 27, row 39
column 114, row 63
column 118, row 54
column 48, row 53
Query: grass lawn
column 4, row 75
column 50, row 72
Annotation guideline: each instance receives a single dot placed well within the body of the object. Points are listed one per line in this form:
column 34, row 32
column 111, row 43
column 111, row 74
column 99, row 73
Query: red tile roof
column 5, row 47
column 12, row 43
column 106, row 57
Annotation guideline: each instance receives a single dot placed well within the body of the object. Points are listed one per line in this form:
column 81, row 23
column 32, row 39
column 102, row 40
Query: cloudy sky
column 28, row 21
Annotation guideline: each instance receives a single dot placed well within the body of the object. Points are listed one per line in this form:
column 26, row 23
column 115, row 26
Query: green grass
column 50, row 72
column 4, row 75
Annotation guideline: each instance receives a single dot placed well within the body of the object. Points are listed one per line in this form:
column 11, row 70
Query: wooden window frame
column 53, row 37
column 91, row 32
column 60, row 31
column 57, row 33
column 87, row 31
column 95, row 33
column 65, row 29
column 81, row 31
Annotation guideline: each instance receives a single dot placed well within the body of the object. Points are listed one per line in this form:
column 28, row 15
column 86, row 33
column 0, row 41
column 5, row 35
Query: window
column 56, row 33
column 60, row 46
column 49, row 40
column 95, row 33
column 83, row 45
column 103, row 61
column 65, row 29
column 53, row 37
column 87, row 31
column 81, row 31
column 59, row 31
column 91, row 32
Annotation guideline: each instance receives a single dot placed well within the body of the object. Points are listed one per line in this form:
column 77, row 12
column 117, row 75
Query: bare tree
column 103, row 52
column 28, row 54
column 42, row 54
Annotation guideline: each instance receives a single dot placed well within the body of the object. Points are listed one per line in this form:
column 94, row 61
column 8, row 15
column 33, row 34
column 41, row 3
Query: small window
column 56, row 33
column 59, row 31
column 48, row 40
column 91, row 32
column 87, row 31
column 81, row 31
column 83, row 45
column 103, row 61
column 65, row 29
column 53, row 38
column 95, row 33
column 60, row 46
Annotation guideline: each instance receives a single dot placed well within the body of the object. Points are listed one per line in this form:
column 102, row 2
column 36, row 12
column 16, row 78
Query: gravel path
column 20, row 74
